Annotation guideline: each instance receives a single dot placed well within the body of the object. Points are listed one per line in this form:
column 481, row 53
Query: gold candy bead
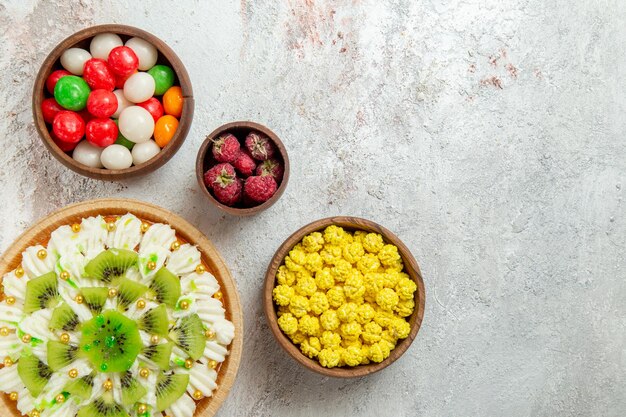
column 64, row 275
column 73, row 373
column 65, row 338
column 13, row 396
column 19, row 272
column 188, row 363
column 26, row 338
column 8, row 361
column 155, row 339
column 60, row 398
column 108, row 385
column 10, row 300
column 218, row 295
column 141, row 304
column 112, row 292
column 175, row 246
column 200, row 269
column 197, row 395
column 151, row 265
column 111, row 226
column 34, row 413
column 79, row 299
column 4, row 331
column 144, row 372
column 76, row 228
column 184, row 304
column 41, row 254
column 212, row 364
column 144, row 227
column 209, row 334
column 142, row 408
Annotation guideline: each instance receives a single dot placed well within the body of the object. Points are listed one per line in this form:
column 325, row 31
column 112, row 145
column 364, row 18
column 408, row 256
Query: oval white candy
column 73, row 60
column 116, row 157
column 139, row 87
column 136, row 124
column 87, row 154
column 145, row 51
column 101, row 44
column 122, row 103
column 145, row 151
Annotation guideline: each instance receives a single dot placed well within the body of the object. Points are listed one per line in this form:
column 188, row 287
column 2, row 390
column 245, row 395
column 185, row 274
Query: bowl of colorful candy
column 242, row 168
column 344, row 297
column 112, row 101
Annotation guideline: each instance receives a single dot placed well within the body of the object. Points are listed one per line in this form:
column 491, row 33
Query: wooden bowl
column 82, row 39
column 351, row 224
column 240, row 130
column 185, row 232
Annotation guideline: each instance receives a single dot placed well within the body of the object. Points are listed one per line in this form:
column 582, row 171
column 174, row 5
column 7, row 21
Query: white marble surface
column 488, row 134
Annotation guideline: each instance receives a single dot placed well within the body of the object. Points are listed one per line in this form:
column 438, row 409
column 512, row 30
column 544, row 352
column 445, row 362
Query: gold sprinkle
column 188, row 363
column 112, row 292
column 111, row 226
column 144, row 227
column 108, row 385
column 10, row 300
column 26, row 338
column 8, row 361
column 200, row 269
column 19, row 272
column 212, row 364
column 197, row 395
column 144, row 372
column 141, row 304
column 175, row 246
column 41, row 254
column 73, row 373
column 4, row 331
column 64, row 275
column 155, row 339
column 142, row 408
column 151, row 265
column 13, row 396
column 184, row 304
column 76, row 228
column 218, row 295
column 79, row 299
column 65, row 338
column 209, row 334
column 34, row 413
column 60, row 398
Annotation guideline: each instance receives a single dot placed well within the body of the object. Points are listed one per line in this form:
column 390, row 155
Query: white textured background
column 489, row 135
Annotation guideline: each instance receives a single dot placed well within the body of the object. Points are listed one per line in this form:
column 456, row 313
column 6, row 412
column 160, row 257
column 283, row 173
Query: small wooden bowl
column 82, row 39
column 352, row 224
column 240, row 130
column 39, row 233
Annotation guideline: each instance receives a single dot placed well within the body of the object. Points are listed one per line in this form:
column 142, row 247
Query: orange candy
column 173, row 101
column 164, row 129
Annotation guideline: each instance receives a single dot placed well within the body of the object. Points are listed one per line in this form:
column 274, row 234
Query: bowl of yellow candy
column 344, row 297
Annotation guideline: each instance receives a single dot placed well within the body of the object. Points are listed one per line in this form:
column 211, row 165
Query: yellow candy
column 313, row 242
column 387, row 299
column 309, row 325
column 389, row 255
column 347, row 312
column 353, row 252
column 288, row 323
column 329, row 320
column 324, row 279
column 318, row 303
column 373, row 242
column 299, row 306
column 306, row 285
column 283, row 294
column 329, row 358
column 330, row 339
column 335, row 296
column 284, row 276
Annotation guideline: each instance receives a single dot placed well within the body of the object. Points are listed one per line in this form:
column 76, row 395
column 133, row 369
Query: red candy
column 101, row 103
column 122, row 61
column 53, row 78
column 97, row 74
column 154, row 107
column 120, row 81
column 102, row 132
column 68, row 126
column 64, row 146
column 50, row 108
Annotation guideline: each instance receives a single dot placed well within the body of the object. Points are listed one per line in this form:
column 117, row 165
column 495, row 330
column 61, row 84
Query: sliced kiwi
column 64, row 318
column 169, row 388
column 60, row 354
column 111, row 264
column 80, row 387
column 33, row 373
column 189, row 335
column 103, row 406
column 155, row 321
column 132, row 390
column 128, row 291
column 41, row 292
column 166, row 287
column 95, row 298
column 159, row 354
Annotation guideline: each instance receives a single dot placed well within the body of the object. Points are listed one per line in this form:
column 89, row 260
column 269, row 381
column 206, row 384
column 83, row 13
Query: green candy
column 72, row 92
column 163, row 78
column 121, row 140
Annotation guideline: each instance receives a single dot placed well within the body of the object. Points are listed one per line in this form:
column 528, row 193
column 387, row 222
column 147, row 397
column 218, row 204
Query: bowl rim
column 152, row 164
column 205, row 147
column 348, row 223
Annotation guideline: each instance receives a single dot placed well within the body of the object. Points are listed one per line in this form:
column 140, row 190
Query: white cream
column 185, row 406
column 127, row 233
column 184, row 260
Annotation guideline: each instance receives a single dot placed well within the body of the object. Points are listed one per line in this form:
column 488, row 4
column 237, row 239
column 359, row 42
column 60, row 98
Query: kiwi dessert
column 103, row 331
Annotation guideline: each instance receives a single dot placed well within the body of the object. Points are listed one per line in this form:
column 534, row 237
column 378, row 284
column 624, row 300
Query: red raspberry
column 220, row 173
column 244, row 163
column 271, row 167
column 226, row 148
column 259, row 189
column 228, row 193
column 259, row 146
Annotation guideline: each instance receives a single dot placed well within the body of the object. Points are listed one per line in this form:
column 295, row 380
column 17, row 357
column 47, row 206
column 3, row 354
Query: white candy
column 88, row 154
column 116, row 157
column 139, row 87
column 74, row 59
column 122, row 103
column 136, row 124
column 102, row 44
column 145, row 151
column 145, row 51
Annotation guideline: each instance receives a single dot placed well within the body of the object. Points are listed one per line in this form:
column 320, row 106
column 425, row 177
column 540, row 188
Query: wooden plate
column 410, row 267
column 212, row 260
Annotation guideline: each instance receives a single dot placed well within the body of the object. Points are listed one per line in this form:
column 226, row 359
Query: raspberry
column 220, row 173
column 271, row 167
column 244, row 163
column 259, row 146
column 259, row 189
column 226, row 148
column 229, row 192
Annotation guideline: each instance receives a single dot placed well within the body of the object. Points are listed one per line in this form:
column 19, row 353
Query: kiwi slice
column 111, row 264
column 80, row 387
column 64, row 318
column 189, row 335
column 95, row 298
column 33, row 373
column 154, row 321
column 166, row 287
column 169, row 388
column 41, row 292
column 110, row 341
column 132, row 390
column 104, row 406
column 159, row 354
column 128, row 291
column 60, row 355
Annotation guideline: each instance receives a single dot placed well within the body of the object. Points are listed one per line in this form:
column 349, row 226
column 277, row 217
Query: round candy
column 101, row 44
column 122, row 103
column 74, row 59
column 50, row 108
column 139, row 87
column 136, row 124
column 163, row 78
column 98, row 75
column 121, row 140
column 64, row 146
column 53, row 78
column 102, row 103
column 173, row 101
column 145, row 51
column 68, row 126
column 116, row 157
column 71, row 92
column 101, row 132
column 85, row 115
column 122, row 61
column 154, row 107
column 165, row 129
column 145, row 151
column 87, row 154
